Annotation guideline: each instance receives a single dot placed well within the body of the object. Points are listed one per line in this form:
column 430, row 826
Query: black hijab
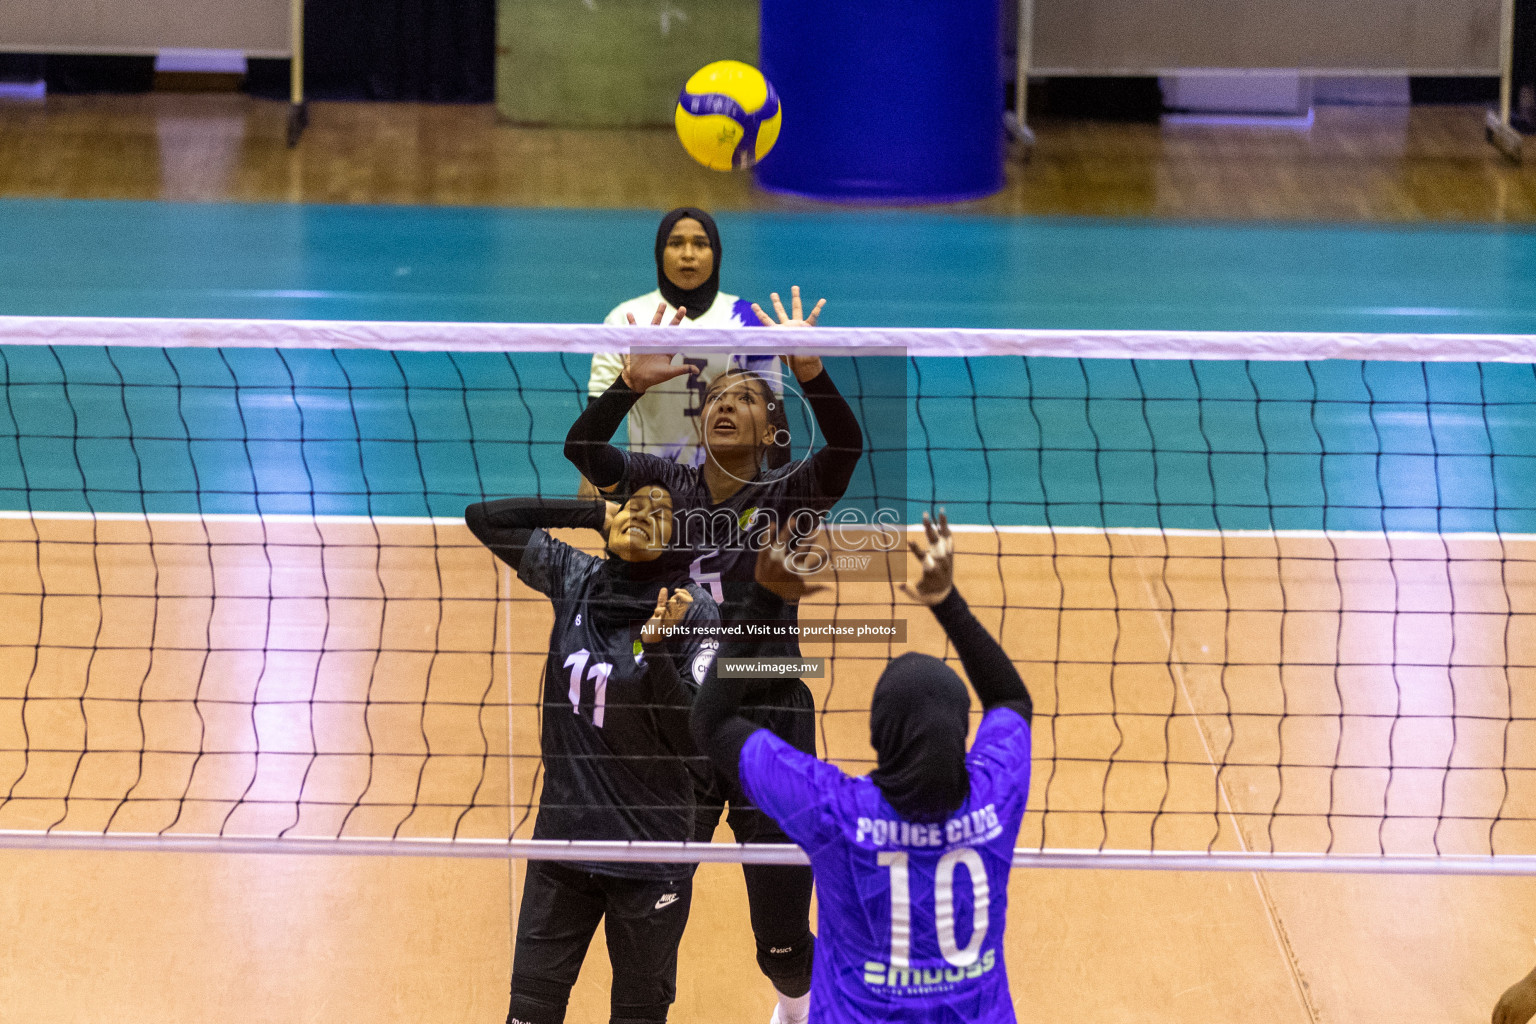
column 624, row 595
column 695, row 300
column 917, row 725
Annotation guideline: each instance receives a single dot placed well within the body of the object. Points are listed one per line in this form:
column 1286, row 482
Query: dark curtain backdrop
column 439, row 51
column 1525, row 66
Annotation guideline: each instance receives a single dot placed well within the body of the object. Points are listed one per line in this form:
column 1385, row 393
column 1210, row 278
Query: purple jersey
column 911, row 914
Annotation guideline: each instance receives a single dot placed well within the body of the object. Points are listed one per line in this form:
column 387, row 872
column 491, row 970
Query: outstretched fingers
column 931, row 530
column 660, row 316
column 795, row 316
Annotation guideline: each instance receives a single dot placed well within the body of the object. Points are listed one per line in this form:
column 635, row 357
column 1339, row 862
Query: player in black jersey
column 614, row 740
column 731, row 503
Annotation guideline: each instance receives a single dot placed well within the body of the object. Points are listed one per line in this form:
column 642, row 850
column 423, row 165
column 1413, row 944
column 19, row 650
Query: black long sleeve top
column 660, row 694
column 589, row 447
column 722, row 535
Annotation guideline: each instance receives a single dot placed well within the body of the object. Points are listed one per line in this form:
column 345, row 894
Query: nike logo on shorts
column 667, row 900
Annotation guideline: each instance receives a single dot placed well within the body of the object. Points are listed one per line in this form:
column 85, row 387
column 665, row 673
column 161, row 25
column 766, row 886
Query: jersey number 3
column 943, row 906
column 598, row 674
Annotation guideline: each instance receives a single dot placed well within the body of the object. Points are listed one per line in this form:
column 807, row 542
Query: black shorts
column 643, row 921
column 778, row 896
column 786, row 710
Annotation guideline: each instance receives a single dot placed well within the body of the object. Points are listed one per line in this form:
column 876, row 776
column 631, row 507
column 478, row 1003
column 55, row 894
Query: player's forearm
column 717, row 725
column 588, row 446
column 670, row 696
column 991, row 671
column 505, row 526
column 836, row 460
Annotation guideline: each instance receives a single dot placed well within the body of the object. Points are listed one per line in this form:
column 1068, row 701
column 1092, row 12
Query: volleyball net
column 1274, row 596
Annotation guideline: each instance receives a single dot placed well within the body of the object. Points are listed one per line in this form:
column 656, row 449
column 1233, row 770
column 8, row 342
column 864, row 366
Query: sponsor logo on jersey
column 701, row 661
column 746, row 517
column 978, row 826
column 918, row 980
column 666, row 900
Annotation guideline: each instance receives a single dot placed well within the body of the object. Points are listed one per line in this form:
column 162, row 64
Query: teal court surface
column 1199, row 444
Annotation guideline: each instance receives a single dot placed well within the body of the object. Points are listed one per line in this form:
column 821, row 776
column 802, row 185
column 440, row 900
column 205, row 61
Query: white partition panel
column 257, row 28
column 1148, row 37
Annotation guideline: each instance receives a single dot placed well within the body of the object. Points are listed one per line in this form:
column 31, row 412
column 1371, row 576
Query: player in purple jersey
column 911, row 861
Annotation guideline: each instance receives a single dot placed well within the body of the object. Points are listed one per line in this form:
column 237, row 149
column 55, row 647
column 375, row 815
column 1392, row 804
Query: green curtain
column 611, row 63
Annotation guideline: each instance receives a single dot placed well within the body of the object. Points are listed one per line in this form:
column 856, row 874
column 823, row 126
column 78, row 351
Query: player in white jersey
column 911, row 861
column 666, row 421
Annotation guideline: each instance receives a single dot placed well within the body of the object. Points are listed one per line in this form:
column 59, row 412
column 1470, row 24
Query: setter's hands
column 669, row 612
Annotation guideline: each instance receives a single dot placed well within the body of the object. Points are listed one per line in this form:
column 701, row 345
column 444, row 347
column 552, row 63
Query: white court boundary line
column 292, row 518
column 1288, row 346
column 770, row 853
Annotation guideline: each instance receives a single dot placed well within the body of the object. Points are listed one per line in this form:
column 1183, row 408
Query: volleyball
column 728, row 115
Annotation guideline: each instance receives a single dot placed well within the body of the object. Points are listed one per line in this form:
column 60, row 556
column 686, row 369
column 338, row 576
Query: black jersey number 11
column 598, row 673
column 696, row 384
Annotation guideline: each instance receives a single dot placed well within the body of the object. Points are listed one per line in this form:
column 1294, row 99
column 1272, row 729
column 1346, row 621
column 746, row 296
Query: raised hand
column 803, row 367
column 937, row 561
column 660, row 315
column 644, row 370
column 785, row 565
column 669, row 612
column 798, row 319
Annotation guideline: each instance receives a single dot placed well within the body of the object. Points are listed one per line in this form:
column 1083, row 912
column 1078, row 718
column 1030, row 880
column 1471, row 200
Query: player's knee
column 654, row 1013
column 788, row 964
column 642, row 996
column 538, row 1001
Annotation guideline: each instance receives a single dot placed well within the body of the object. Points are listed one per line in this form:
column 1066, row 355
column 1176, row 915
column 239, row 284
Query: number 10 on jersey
column 943, row 906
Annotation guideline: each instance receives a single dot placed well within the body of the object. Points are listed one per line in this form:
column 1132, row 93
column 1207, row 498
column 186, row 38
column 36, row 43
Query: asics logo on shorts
column 666, row 900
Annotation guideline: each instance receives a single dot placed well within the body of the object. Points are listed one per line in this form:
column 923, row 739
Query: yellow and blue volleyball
column 728, row 115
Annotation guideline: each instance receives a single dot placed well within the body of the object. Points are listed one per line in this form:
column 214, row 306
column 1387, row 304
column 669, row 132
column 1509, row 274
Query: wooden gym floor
column 169, row 938
column 1356, row 163
column 292, row 726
